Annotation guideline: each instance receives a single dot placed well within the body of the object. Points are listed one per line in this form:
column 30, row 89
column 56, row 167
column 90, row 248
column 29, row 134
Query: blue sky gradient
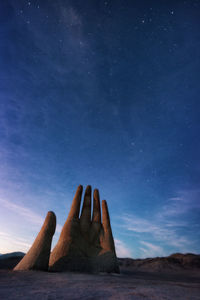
column 103, row 93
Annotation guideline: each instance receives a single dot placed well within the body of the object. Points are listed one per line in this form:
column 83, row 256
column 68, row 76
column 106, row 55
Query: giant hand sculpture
column 85, row 244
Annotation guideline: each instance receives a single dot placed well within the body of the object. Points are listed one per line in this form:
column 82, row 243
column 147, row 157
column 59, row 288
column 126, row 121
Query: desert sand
column 174, row 277
column 127, row 285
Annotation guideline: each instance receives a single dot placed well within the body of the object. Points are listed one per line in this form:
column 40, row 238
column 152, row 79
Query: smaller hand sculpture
column 85, row 244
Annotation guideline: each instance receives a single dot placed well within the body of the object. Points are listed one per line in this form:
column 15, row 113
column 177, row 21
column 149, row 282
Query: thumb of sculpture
column 37, row 258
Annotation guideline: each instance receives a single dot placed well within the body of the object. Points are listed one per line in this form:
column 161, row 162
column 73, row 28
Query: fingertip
column 96, row 193
column 50, row 222
column 80, row 187
column 79, row 191
column 51, row 216
column 88, row 190
column 104, row 203
column 51, row 213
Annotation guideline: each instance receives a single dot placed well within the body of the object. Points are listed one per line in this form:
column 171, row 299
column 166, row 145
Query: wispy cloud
column 22, row 211
column 168, row 227
column 151, row 250
column 121, row 249
column 158, row 231
column 12, row 242
column 184, row 202
column 8, row 243
column 26, row 213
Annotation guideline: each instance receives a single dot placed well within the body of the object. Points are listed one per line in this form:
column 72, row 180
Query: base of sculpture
column 104, row 263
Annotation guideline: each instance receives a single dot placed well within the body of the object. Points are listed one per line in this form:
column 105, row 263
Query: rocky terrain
column 175, row 262
column 174, row 277
column 10, row 260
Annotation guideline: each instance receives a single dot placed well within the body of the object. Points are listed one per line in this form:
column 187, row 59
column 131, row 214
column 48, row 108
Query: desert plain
column 153, row 279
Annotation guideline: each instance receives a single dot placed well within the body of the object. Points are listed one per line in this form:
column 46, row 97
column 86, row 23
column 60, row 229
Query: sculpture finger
column 105, row 216
column 37, row 258
column 86, row 209
column 69, row 229
column 96, row 216
column 75, row 207
column 108, row 241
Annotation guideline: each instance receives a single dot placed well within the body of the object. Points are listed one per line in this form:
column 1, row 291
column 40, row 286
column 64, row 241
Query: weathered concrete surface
column 86, row 244
column 37, row 258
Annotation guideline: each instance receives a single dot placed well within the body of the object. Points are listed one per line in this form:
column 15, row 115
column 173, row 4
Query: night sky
column 103, row 93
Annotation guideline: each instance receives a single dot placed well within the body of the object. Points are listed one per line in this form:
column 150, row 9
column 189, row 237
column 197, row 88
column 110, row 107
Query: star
column 131, row 89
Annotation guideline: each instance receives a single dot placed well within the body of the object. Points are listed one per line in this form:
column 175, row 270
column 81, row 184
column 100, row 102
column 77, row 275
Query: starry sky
column 103, row 93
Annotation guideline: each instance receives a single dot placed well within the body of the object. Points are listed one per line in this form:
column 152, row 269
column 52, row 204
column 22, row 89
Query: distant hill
column 12, row 254
column 10, row 260
column 174, row 262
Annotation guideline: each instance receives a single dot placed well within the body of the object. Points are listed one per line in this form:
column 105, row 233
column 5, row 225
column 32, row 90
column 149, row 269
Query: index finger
column 75, row 207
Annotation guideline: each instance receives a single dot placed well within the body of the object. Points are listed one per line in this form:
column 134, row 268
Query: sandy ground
column 43, row 285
